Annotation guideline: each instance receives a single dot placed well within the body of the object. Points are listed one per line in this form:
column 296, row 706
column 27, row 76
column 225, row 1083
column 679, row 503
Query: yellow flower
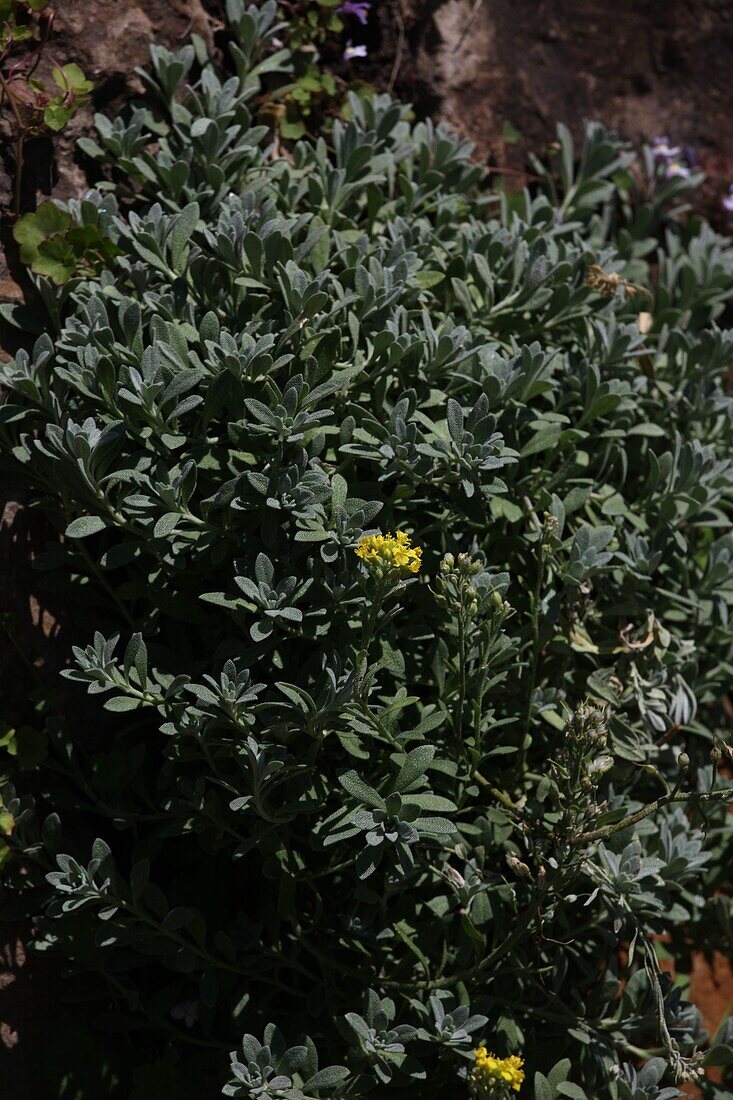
column 492, row 1076
column 387, row 552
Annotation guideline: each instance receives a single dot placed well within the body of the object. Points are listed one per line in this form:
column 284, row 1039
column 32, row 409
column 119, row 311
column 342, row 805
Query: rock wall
column 488, row 67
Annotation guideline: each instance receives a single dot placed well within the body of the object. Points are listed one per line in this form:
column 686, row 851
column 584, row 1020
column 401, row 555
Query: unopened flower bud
column 455, row 877
column 518, row 867
column 716, row 755
column 684, row 761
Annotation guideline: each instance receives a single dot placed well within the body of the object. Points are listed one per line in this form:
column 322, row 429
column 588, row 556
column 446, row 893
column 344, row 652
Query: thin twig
column 400, row 45
column 35, row 57
column 725, row 794
column 497, row 170
column 476, row 5
column 500, row 796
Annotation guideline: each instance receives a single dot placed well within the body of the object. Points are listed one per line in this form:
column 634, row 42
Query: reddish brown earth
column 711, row 989
column 710, row 977
column 487, row 68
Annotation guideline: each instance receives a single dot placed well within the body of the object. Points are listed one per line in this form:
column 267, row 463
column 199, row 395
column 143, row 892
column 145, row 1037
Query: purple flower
column 187, row 1011
column 663, row 151
column 676, row 170
column 358, row 8
column 352, row 52
column 728, row 201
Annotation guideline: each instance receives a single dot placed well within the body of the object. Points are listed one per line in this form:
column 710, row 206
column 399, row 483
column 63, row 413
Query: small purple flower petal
column 358, row 8
column 728, row 201
column 352, row 52
column 676, row 170
column 663, row 151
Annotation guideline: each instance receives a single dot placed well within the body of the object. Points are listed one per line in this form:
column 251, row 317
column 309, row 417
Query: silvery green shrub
column 372, row 817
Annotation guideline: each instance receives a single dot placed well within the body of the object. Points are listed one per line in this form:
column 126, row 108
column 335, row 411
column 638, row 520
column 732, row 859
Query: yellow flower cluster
column 390, row 552
column 492, row 1076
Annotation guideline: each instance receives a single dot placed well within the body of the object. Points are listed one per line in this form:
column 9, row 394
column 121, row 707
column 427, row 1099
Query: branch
column 725, row 794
